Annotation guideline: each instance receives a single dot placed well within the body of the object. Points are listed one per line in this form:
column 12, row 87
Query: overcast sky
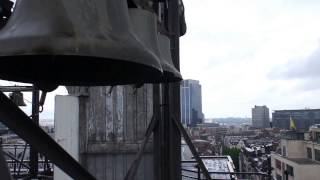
column 246, row 53
column 253, row 52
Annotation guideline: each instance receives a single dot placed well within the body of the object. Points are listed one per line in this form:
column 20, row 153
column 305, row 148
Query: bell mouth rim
column 169, row 76
column 74, row 70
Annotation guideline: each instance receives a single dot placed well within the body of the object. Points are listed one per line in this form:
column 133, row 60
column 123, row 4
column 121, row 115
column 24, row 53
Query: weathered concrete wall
column 111, row 126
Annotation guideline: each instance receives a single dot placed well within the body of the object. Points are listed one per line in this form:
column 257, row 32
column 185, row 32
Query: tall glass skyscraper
column 191, row 102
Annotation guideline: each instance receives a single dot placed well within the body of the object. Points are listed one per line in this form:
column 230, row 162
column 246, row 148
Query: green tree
column 234, row 154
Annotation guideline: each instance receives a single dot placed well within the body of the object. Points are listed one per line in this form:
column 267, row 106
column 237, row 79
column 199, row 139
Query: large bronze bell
column 145, row 25
column 75, row 43
column 170, row 71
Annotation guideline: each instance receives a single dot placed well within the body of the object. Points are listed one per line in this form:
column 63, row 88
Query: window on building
column 309, row 153
column 290, row 170
column 317, row 137
column 284, row 151
column 317, row 155
column 278, row 164
column 278, row 177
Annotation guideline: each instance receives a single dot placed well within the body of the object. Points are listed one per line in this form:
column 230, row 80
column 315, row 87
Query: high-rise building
column 303, row 118
column 191, row 102
column 260, row 117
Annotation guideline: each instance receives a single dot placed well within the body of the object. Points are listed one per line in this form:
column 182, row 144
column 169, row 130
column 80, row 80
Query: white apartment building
column 298, row 157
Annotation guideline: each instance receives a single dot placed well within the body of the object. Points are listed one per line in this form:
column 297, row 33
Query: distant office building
column 303, row 118
column 260, row 117
column 191, row 102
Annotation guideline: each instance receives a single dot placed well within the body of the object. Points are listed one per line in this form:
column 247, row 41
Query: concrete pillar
column 66, row 124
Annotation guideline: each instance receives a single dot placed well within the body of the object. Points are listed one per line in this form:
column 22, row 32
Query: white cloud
column 231, row 47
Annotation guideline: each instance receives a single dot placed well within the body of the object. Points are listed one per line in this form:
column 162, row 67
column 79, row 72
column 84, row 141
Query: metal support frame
column 167, row 161
column 22, row 158
column 192, row 148
column 134, row 166
column 154, row 121
column 260, row 174
column 16, row 120
column 16, row 160
column 35, row 119
column 171, row 100
column 4, row 171
column 247, row 174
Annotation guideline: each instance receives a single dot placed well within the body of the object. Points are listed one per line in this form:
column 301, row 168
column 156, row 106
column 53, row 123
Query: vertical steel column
column 167, row 162
column 15, row 162
column 199, row 172
column 156, row 133
column 167, row 138
column 35, row 119
column 174, row 94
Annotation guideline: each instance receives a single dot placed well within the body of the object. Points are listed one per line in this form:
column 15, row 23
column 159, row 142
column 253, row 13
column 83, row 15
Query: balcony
column 293, row 135
column 217, row 170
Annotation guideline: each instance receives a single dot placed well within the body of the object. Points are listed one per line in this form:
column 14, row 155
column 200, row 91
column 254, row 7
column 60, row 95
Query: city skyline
column 48, row 112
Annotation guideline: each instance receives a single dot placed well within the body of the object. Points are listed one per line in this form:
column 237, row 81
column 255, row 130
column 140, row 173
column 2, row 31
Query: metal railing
column 293, row 135
column 21, row 168
column 192, row 174
column 19, row 164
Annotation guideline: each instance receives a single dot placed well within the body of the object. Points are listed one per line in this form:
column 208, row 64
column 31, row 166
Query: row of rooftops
column 311, row 135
